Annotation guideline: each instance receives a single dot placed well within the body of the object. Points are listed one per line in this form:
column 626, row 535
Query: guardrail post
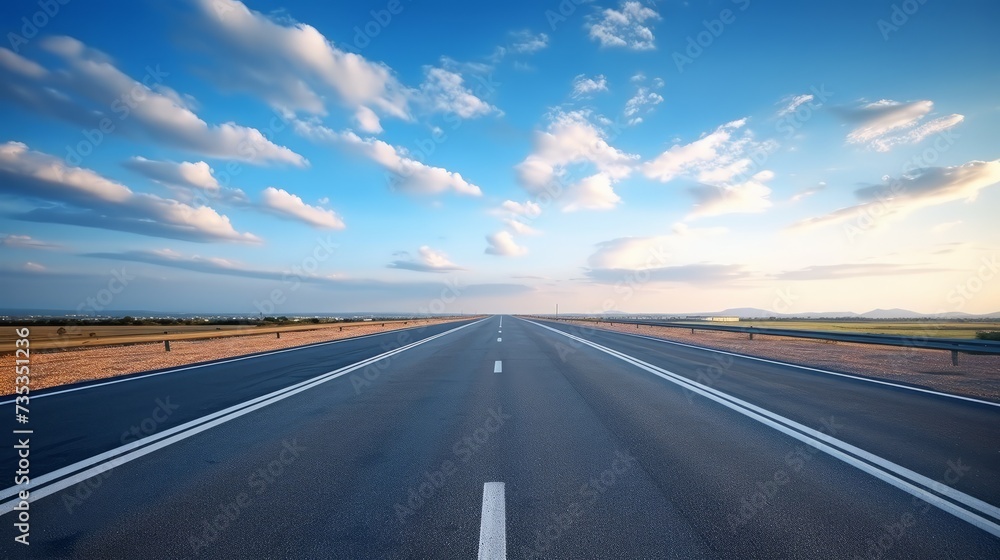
column 166, row 345
column 279, row 335
column 954, row 357
column 692, row 331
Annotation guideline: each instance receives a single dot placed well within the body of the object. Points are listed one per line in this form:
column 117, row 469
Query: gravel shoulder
column 975, row 375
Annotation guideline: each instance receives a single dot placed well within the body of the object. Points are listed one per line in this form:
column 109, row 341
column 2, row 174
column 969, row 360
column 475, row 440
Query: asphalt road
column 534, row 440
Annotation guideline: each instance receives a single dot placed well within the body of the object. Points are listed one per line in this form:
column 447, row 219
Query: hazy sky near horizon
column 391, row 155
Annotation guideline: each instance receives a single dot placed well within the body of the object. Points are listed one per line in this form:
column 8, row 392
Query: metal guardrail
column 968, row 346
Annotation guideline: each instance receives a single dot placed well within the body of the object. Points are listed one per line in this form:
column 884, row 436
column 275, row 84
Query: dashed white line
column 499, row 340
column 493, row 526
column 497, row 367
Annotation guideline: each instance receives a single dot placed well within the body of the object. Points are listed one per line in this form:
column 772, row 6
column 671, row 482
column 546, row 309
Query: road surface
column 505, row 437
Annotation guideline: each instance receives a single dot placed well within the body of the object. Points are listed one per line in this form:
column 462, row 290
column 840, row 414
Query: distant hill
column 895, row 313
column 754, row 313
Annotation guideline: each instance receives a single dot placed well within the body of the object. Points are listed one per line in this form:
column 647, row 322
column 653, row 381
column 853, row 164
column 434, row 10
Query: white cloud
column 502, row 244
column 625, row 27
column 196, row 175
column 26, row 242
column 642, row 102
column 89, row 90
column 526, row 42
column 367, row 120
column 34, row 267
column 572, row 139
column 340, row 284
column 520, row 227
column 924, row 188
column 17, row 64
column 917, row 134
column 191, row 181
column 590, row 193
column 713, row 156
column 528, row 208
column 291, row 65
column 87, row 199
column 884, row 124
column 854, row 270
column 443, row 91
column 747, row 197
column 792, row 103
column 584, row 86
column 286, row 204
column 641, row 253
column 649, row 259
column 721, row 161
column 409, row 175
column 427, row 260
column 631, row 253
column 807, row 192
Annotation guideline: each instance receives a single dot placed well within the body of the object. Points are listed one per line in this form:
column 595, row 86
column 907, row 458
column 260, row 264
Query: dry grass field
column 87, row 336
column 54, row 367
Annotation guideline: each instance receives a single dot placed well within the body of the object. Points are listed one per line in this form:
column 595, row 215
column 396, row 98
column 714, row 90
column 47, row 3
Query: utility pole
column 557, row 311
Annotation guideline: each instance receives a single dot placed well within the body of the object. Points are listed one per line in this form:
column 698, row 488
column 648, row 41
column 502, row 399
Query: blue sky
column 296, row 157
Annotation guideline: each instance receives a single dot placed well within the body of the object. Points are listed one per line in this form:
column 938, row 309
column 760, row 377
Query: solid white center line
column 493, row 527
column 497, row 367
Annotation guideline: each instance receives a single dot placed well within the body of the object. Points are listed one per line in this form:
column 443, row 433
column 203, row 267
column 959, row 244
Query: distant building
column 713, row 318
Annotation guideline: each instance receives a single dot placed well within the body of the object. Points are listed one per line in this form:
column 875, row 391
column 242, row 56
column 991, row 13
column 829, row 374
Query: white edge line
column 798, row 366
column 225, row 361
column 786, row 426
column 493, row 524
column 153, row 442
